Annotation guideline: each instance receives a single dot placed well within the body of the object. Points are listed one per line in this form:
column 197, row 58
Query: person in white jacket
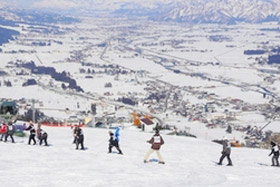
column 275, row 152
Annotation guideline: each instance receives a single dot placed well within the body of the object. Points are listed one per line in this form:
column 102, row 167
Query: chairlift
column 8, row 111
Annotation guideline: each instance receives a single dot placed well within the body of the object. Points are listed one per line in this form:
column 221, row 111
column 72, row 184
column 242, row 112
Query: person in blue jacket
column 117, row 134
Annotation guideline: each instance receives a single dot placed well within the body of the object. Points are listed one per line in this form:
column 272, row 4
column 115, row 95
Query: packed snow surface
column 189, row 162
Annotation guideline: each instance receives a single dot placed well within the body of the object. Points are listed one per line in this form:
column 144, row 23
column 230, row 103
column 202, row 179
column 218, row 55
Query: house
column 147, row 121
column 216, row 115
column 147, row 124
column 108, row 85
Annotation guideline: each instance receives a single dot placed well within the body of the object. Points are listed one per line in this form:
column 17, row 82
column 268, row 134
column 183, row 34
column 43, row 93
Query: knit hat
column 157, row 130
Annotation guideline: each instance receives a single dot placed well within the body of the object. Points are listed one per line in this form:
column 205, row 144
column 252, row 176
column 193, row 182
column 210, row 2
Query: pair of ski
column 261, row 164
column 218, row 164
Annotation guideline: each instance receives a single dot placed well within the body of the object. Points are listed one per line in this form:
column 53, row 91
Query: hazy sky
column 63, row 4
column 69, row 4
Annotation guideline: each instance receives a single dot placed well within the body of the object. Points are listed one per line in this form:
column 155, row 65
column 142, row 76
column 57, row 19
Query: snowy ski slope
column 189, row 162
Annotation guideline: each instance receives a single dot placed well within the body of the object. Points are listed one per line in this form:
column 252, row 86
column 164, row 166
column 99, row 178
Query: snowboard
column 152, row 160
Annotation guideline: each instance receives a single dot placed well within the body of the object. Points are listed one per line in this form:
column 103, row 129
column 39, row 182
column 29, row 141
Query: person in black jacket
column 32, row 131
column 10, row 131
column 74, row 133
column 113, row 143
column 79, row 138
column 275, row 152
column 43, row 136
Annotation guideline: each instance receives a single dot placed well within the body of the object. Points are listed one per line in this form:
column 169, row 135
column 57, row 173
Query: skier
column 79, row 138
column 74, row 133
column 113, row 142
column 226, row 152
column 275, row 152
column 43, row 136
column 156, row 142
column 10, row 132
column 3, row 131
column 229, row 129
column 32, row 131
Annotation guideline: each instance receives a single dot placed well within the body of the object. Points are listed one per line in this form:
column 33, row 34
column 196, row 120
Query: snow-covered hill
column 191, row 11
column 224, row 11
column 202, row 11
column 189, row 162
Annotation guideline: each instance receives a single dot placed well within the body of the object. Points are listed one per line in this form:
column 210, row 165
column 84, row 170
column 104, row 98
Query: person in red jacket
column 156, row 142
column 3, row 131
column 10, row 131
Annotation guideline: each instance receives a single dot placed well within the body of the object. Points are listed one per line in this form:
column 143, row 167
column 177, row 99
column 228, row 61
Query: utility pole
column 33, row 111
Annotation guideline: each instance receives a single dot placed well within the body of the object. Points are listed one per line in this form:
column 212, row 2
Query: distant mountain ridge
column 224, row 11
column 214, row 11
column 187, row 11
column 12, row 17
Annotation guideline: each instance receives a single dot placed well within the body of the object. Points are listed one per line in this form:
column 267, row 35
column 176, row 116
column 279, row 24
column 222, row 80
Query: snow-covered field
column 146, row 50
column 189, row 162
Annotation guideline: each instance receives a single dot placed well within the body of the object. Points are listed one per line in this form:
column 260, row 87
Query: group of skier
column 41, row 135
column 9, row 130
column 156, row 142
column 227, row 151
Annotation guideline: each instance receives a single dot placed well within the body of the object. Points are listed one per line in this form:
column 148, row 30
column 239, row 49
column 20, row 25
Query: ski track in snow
column 189, row 162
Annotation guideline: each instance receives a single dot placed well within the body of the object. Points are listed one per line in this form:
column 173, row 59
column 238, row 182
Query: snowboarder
column 3, row 131
column 113, row 142
column 156, row 142
column 275, row 152
column 79, row 138
column 43, row 136
column 10, row 131
column 32, row 131
column 226, row 152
